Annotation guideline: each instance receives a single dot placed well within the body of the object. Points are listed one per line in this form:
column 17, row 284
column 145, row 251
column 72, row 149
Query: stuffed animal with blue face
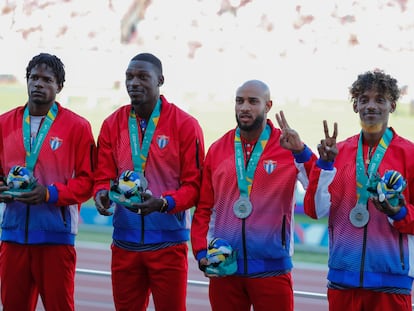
column 390, row 187
column 221, row 257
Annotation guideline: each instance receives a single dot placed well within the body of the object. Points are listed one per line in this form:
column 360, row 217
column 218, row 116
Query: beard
column 40, row 102
column 371, row 128
column 257, row 123
column 136, row 102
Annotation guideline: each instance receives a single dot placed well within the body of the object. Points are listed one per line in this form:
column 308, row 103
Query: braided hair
column 52, row 61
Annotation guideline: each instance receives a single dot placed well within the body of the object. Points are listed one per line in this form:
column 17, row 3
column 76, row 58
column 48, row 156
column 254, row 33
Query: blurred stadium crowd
column 311, row 47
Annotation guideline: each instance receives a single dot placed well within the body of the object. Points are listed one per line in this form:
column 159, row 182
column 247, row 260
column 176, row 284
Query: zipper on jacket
column 26, row 229
column 283, row 233
column 62, row 211
column 197, row 154
column 91, row 158
column 142, row 229
column 179, row 216
column 401, row 251
column 244, row 245
column 364, row 249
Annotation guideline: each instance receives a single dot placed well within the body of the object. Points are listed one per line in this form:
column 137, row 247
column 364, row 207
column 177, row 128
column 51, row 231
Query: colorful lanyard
column 32, row 151
column 140, row 154
column 245, row 177
column 362, row 177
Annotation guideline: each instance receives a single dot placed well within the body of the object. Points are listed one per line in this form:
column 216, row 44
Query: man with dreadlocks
column 366, row 186
column 46, row 159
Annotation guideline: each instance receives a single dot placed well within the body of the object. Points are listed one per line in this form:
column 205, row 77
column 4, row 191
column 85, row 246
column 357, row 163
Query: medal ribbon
column 32, row 151
column 362, row 177
column 140, row 153
column 245, row 177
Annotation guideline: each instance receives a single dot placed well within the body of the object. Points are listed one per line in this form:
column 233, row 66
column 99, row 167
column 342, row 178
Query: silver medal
column 242, row 208
column 359, row 216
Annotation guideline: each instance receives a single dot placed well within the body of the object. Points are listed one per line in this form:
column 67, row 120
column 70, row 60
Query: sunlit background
column 306, row 50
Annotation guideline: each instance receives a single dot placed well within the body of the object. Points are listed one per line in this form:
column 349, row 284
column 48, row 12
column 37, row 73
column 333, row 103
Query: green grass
column 97, row 234
column 303, row 219
column 308, row 256
column 104, row 235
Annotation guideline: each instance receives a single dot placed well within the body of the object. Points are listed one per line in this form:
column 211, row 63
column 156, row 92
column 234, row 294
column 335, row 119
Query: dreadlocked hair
column 52, row 61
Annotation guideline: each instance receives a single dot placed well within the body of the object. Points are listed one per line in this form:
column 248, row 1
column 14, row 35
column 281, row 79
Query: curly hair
column 52, row 61
column 375, row 80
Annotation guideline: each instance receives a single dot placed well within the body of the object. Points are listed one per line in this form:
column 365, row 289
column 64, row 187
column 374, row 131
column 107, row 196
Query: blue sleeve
column 400, row 215
column 171, row 202
column 303, row 156
column 53, row 194
column 325, row 165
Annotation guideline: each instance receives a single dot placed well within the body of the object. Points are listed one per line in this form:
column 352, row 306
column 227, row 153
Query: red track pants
column 234, row 293
column 29, row 270
column 362, row 299
column 137, row 274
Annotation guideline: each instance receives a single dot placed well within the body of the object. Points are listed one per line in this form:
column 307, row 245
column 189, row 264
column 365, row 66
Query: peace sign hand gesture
column 290, row 138
column 327, row 148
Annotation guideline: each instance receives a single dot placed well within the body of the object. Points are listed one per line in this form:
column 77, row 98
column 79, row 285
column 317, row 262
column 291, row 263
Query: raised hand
column 290, row 138
column 327, row 148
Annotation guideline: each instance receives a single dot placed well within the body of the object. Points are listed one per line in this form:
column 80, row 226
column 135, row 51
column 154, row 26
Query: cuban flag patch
column 269, row 166
column 162, row 141
column 55, row 142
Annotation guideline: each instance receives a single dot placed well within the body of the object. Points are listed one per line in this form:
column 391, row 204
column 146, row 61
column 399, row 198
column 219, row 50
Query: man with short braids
column 52, row 151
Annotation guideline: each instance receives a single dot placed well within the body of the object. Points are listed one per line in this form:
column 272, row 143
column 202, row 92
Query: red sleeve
column 191, row 163
column 79, row 188
column 309, row 201
column 202, row 213
column 406, row 225
column 106, row 169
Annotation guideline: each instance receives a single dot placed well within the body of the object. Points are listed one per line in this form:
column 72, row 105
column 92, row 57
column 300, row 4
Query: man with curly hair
column 371, row 242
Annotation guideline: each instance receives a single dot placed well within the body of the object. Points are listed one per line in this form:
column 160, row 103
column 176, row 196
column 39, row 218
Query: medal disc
column 359, row 216
column 242, row 208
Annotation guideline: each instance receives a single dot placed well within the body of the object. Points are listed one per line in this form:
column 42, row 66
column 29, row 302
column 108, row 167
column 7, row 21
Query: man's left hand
column 149, row 204
column 386, row 208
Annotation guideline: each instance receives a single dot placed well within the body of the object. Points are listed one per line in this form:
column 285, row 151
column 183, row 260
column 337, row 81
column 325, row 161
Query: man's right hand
column 103, row 203
column 4, row 197
column 327, row 148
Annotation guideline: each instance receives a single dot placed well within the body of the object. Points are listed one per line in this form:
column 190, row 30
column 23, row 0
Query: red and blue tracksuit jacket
column 380, row 254
column 173, row 168
column 264, row 240
column 65, row 166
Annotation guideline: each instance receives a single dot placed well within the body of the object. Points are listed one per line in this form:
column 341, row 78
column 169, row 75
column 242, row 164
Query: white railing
column 297, row 293
column 202, row 283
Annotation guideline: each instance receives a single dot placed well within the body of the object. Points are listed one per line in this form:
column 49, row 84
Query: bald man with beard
column 247, row 201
